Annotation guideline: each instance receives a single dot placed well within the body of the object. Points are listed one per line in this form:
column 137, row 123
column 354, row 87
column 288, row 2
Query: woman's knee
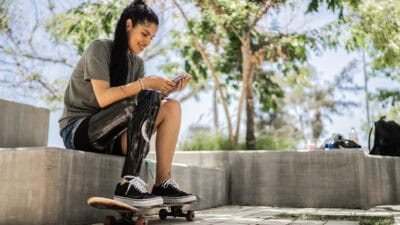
column 172, row 106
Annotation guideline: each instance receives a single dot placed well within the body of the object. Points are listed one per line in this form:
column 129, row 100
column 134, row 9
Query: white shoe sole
column 183, row 199
column 141, row 203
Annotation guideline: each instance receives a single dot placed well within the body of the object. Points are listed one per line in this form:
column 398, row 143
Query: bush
column 206, row 141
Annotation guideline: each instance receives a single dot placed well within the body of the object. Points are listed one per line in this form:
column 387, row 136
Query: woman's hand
column 180, row 85
column 157, row 83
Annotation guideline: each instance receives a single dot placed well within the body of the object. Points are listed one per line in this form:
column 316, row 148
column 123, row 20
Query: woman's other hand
column 157, row 83
column 180, row 85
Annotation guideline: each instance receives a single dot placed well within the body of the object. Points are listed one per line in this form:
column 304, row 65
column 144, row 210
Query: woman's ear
column 128, row 25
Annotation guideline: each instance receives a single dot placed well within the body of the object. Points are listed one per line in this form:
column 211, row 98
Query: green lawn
column 364, row 220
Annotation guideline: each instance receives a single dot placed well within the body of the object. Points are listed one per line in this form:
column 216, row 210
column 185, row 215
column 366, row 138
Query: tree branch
column 212, row 71
column 228, row 25
column 35, row 27
column 46, row 59
column 264, row 10
column 18, row 52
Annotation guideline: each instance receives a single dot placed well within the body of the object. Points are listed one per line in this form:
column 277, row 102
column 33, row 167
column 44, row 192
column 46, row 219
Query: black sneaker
column 134, row 193
column 171, row 193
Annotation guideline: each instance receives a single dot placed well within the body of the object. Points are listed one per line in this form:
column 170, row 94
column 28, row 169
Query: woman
column 109, row 109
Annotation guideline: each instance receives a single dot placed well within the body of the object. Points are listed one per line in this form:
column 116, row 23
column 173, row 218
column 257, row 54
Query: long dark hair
column 139, row 13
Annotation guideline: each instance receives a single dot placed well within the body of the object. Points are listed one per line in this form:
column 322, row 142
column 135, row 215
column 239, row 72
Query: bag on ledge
column 338, row 142
column 387, row 138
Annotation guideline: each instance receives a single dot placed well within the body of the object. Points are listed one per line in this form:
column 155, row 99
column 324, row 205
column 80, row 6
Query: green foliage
column 205, row 142
column 267, row 90
column 194, row 65
column 375, row 27
column 272, row 141
column 387, row 97
column 86, row 22
column 364, row 220
column 220, row 28
column 210, row 142
column 334, row 5
column 4, row 15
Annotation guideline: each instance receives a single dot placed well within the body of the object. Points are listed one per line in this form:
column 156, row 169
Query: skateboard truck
column 176, row 211
column 126, row 219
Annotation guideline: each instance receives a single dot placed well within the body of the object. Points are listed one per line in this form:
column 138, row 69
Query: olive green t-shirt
column 79, row 98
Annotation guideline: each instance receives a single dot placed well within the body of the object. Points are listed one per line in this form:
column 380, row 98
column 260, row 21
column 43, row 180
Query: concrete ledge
column 51, row 186
column 339, row 179
column 23, row 125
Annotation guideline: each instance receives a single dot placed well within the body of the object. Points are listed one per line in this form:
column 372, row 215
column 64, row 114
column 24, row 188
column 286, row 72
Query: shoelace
column 172, row 183
column 137, row 183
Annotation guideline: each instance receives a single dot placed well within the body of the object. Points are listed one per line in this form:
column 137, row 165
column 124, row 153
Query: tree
column 242, row 47
column 373, row 27
column 308, row 102
column 89, row 20
column 25, row 61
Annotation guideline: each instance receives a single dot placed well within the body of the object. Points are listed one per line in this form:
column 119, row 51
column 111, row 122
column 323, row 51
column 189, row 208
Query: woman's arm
column 106, row 95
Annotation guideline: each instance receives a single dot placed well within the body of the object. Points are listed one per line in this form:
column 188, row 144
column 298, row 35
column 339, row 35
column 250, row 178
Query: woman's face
column 140, row 36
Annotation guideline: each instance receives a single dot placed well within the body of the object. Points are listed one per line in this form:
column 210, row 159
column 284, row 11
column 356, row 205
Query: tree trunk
column 215, row 111
column 250, row 112
column 246, row 67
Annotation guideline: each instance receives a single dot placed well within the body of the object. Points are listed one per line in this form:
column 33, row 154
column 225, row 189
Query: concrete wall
column 23, row 125
column 51, row 186
column 339, row 178
column 296, row 179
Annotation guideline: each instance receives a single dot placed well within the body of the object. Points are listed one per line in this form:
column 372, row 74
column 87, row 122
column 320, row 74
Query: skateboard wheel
column 190, row 215
column 141, row 221
column 163, row 213
column 109, row 220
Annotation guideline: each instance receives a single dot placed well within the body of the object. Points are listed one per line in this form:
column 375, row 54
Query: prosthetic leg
column 108, row 124
column 137, row 115
column 140, row 129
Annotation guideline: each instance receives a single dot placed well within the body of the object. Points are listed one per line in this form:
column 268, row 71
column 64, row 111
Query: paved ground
column 264, row 215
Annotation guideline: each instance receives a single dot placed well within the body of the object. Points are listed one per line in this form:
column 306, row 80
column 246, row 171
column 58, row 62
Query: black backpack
column 387, row 138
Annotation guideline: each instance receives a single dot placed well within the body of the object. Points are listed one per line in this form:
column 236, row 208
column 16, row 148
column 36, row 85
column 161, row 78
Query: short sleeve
column 97, row 61
column 140, row 72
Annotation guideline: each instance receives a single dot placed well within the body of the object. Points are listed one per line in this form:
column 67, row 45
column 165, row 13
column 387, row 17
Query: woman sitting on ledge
column 111, row 108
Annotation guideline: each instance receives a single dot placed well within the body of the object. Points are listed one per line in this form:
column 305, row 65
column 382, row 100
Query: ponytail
column 139, row 13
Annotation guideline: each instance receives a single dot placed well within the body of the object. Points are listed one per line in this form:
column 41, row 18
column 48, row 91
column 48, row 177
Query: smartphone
column 180, row 76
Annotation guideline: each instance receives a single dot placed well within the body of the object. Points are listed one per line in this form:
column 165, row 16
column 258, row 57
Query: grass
column 364, row 220
column 206, row 141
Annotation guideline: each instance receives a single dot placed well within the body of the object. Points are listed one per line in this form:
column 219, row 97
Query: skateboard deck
column 128, row 212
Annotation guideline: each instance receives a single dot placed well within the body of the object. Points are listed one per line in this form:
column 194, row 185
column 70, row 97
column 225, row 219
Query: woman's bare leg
column 167, row 126
column 124, row 143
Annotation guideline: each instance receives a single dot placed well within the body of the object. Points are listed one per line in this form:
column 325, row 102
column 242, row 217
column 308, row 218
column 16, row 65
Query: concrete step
column 23, row 125
column 346, row 178
column 51, row 186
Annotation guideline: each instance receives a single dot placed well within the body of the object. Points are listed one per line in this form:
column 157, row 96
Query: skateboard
column 128, row 212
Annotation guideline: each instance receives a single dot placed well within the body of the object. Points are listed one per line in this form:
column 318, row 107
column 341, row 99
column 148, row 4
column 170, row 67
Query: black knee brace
column 140, row 129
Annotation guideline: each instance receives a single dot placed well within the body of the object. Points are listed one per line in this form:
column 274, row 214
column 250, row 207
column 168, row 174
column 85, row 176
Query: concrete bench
column 23, row 125
column 347, row 178
column 51, row 185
